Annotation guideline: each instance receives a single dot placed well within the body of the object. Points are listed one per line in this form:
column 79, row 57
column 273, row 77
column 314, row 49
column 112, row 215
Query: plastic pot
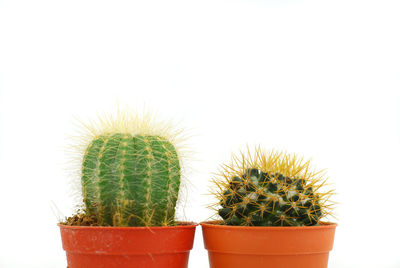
column 272, row 247
column 123, row 247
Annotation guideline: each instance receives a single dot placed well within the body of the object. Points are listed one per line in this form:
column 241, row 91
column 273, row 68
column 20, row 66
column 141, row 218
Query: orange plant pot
column 272, row 247
column 123, row 247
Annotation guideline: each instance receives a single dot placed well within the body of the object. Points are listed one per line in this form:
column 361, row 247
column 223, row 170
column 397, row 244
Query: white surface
column 316, row 77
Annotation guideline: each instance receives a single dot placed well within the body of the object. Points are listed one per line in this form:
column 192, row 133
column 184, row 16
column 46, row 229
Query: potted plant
column 272, row 207
column 130, row 180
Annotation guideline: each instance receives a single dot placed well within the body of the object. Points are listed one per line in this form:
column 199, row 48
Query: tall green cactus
column 131, row 180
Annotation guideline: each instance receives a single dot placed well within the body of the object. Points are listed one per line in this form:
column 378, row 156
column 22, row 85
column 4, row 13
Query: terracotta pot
column 123, row 247
column 272, row 247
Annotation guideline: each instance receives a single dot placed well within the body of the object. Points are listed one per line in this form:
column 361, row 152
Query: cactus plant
column 130, row 174
column 271, row 189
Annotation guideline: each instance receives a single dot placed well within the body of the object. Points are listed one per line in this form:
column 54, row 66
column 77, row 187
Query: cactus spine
column 271, row 189
column 130, row 179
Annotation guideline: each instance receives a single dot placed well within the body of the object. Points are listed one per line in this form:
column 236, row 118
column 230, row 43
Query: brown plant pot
column 272, row 247
column 123, row 247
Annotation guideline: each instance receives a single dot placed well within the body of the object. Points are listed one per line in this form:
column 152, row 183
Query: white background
column 320, row 78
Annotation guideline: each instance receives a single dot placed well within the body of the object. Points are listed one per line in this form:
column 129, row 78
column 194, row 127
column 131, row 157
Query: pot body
column 272, row 247
column 123, row 247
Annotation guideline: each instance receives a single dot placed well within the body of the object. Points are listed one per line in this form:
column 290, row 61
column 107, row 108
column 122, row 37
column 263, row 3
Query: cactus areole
column 131, row 180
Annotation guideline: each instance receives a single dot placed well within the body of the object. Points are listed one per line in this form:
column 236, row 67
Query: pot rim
column 183, row 225
column 215, row 224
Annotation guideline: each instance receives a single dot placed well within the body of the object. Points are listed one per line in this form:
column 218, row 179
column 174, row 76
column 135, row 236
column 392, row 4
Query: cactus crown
column 130, row 172
column 271, row 189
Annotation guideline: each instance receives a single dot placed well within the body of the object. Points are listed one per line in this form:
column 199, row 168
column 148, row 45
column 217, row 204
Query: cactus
column 271, row 189
column 130, row 174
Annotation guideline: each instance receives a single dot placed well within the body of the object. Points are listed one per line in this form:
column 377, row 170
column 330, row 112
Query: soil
column 80, row 219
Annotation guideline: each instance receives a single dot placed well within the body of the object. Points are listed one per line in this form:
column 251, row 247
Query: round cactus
column 130, row 173
column 273, row 189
